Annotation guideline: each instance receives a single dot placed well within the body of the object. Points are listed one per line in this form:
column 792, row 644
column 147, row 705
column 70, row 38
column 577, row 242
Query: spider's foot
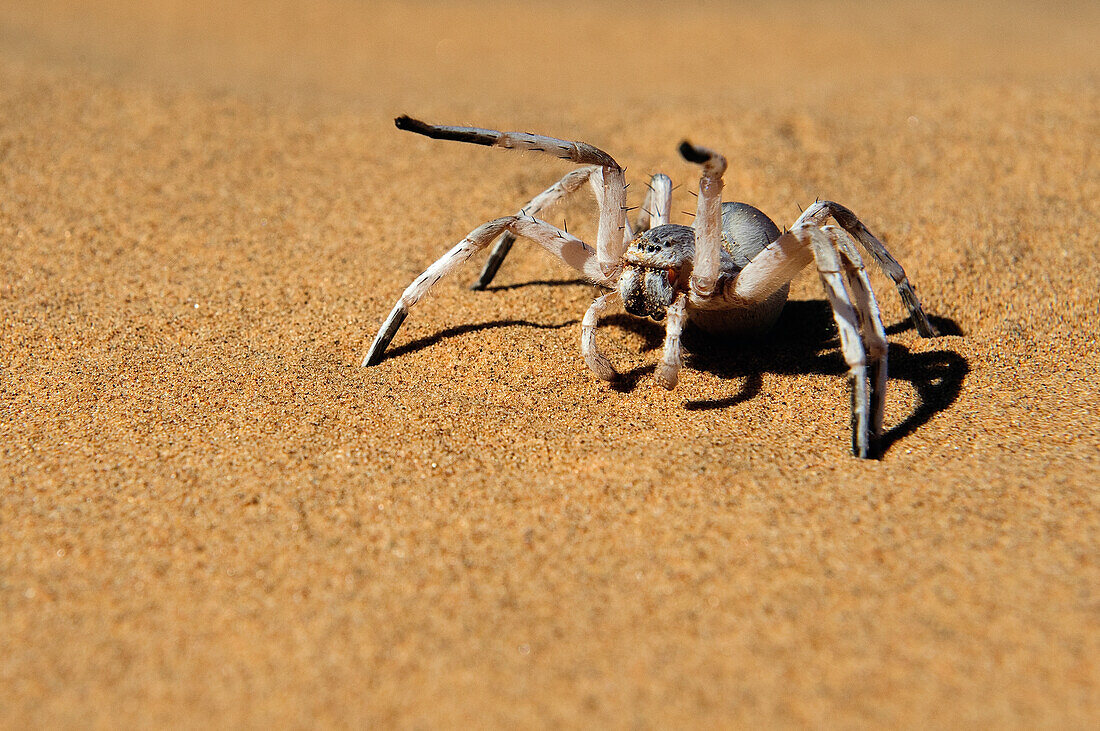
column 601, row 366
column 862, row 433
column 385, row 335
column 667, row 375
column 916, row 313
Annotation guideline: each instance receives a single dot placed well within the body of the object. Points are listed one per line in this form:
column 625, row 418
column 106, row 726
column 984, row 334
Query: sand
column 210, row 515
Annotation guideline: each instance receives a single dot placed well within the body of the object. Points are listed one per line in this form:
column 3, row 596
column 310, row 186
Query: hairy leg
column 568, row 184
column 819, row 211
column 597, row 362
column 566, row 247
column 874, row 334
column 668, row 370
column 609, row 237
column 599, row 190
column 658, row 201
column 832, row 274
column 708, row 219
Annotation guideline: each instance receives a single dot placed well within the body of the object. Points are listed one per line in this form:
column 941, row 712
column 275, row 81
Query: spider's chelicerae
column 728, row 273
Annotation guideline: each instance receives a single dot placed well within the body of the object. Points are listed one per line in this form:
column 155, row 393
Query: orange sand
column 210, row 514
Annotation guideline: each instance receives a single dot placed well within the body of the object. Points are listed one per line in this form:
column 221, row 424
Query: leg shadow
column 937, row 377
column 805, row 341
column 421, row 343
column 537, row 283
column 627, row 382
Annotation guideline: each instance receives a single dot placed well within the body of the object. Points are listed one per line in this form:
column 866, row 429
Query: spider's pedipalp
column 668, row 370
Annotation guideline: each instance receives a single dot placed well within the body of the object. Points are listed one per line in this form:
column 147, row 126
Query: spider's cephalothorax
column 656, row 266
column 728, row 272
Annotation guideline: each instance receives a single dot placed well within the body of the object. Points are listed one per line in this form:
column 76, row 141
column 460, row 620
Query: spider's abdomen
column 746, row 231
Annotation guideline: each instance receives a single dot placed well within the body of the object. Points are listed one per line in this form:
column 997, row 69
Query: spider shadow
column 537, row 283
column 805, row 340
column 420, row 343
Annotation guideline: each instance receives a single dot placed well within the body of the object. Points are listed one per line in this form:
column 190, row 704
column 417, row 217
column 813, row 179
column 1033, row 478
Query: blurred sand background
column 209, row 515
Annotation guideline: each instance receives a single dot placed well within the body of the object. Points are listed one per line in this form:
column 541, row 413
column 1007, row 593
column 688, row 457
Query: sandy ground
column 209, row 514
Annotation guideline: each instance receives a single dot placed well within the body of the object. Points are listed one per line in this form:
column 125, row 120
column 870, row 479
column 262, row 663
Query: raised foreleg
column 708, row 220
column 612, row 196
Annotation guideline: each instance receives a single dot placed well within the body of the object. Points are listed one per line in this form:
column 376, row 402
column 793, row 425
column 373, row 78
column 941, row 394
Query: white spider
column 728, row 273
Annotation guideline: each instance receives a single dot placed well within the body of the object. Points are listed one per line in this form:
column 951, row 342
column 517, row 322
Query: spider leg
column 833, row 277
column 597, row 361
column 855, row 309
column 566, row 247
column 874, row 334
column 708, row 220
column 609, row 237
column 598, row 188
column 668, row 370
column 819, row 211
column 658, row 202
column 571, row 182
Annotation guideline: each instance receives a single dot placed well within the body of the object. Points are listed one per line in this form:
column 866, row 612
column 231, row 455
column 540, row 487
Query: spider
column 729, row 273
